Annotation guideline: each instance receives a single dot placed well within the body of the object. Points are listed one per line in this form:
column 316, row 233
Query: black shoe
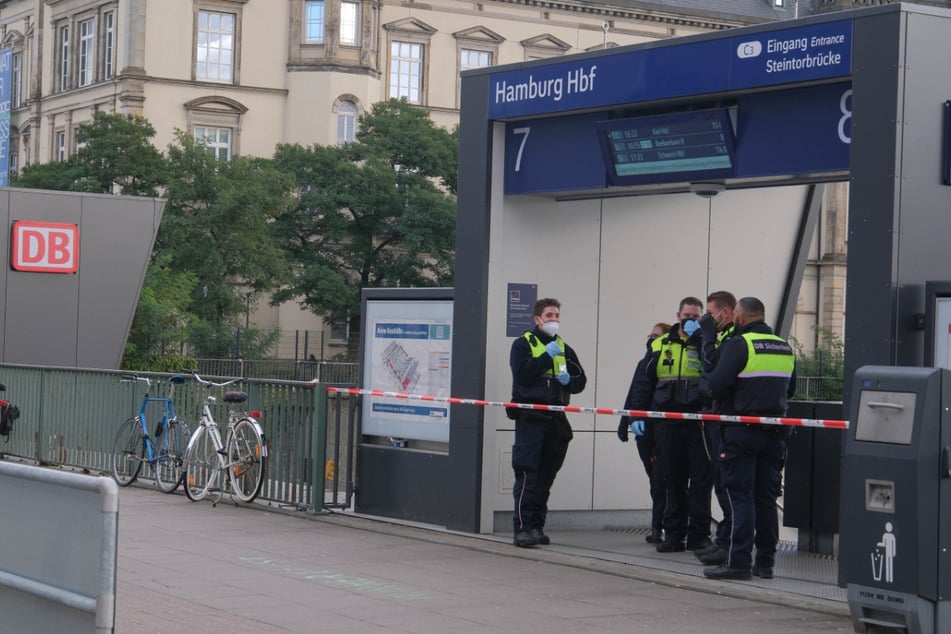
column 669, row 546
column 524, row 539
column 713, row 557
column 706, row 551
column 763, row 572
column 540, row 537
column 654, row 537
column 699, row 544
column 722, row 572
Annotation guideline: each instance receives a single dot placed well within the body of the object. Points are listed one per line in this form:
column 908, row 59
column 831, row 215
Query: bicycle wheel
column 128, row 452
column 201, row 465
column 168, row 468
column 248, row 457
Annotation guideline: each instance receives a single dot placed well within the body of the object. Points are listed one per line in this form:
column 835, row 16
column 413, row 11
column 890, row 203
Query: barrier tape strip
column 825, row 423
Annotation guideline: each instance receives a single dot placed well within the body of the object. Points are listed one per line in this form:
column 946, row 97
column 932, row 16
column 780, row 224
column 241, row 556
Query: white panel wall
column 618, row 266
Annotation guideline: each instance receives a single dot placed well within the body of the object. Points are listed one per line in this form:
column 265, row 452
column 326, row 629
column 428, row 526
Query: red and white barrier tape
column 824, row 423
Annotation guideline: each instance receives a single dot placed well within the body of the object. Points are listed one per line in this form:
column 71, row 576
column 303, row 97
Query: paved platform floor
column 191, row 567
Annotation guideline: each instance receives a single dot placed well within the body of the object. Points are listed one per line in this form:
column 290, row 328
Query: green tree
column 162, row 319
column 820, row 372
column 218, row 225
column 376, row 212
column 114, row 155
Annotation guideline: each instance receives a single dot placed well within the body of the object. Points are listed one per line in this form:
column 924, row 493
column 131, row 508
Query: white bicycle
column 242, row 455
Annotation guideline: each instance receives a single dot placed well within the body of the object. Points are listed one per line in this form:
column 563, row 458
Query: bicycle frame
column 223, row 462
column 152, row 452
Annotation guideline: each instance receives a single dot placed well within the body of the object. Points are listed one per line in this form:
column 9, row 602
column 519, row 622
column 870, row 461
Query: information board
column 408, row 349
column 683, row 146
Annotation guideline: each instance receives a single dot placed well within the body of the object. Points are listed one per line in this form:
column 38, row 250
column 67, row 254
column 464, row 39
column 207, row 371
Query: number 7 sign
column 44, row 247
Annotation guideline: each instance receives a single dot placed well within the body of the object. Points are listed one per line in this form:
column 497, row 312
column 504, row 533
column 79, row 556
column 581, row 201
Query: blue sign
column 785, row 132
column 806, row 53
column 565, row 150
column 6, row 92
column 519, row 315
column 402, row 331
column 794, row 132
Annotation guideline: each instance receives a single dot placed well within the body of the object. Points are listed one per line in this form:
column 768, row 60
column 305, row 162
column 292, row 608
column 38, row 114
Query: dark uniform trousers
column 688, row 478
column 714, row 438
column 647, row 451
column 541, row 443
column 751, row 463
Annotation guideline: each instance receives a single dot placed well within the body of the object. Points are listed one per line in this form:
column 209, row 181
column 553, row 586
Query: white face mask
column 550, row 328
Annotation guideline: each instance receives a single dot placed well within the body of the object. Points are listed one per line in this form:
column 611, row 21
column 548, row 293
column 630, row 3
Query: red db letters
column 47, row 247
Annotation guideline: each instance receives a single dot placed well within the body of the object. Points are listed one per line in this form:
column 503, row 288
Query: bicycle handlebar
column 132, row 378
column 206, row 382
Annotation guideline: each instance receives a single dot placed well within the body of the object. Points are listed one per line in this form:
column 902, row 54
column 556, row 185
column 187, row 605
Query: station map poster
column 407, row 349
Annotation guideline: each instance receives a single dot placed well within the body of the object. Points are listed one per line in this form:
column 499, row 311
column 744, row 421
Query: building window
column 87, row 51
column 217, row 140
column 61, row 145
column 469, row 58
column 349, row 18
column 346, row 122
column 109, row 45
column 314, row 21
column 215, row 46
column 339, row 327
column 406, row 71
column 16, row 76
column 64, row 58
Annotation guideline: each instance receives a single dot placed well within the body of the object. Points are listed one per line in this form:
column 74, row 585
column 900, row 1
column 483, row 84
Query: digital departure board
column 683, row 146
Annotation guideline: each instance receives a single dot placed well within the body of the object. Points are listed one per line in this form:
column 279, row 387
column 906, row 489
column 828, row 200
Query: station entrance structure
column 621, row 180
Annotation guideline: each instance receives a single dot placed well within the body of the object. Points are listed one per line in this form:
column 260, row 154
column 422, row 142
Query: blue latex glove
column 563, row 378
column 553, row 349
column 637, row 427
column 691, row 326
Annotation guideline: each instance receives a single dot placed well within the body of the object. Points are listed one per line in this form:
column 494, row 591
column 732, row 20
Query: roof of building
column 743, row 11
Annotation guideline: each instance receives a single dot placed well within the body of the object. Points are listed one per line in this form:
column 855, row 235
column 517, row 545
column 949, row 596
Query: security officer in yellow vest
column 755, row 375
column 715, row 326
column 544, row 370
column 670, row 381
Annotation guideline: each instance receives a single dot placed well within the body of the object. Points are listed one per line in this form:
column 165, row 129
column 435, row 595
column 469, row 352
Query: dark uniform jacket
column 680, row 394
column 533, row 378
column 756, row 396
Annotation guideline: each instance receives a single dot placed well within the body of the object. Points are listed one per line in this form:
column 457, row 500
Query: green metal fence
column 70, row 416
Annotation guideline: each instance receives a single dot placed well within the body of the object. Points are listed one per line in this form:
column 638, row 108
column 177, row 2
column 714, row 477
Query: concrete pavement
column 185, row 566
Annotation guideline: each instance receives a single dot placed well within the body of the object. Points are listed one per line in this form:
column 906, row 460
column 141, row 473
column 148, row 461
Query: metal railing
column 70, row 417
column 283, row 370
column 818, row 388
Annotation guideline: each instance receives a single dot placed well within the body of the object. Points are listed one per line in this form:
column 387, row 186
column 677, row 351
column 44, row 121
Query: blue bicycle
column 164, row 451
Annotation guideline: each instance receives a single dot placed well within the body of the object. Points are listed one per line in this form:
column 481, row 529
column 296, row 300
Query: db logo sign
column 47, row 247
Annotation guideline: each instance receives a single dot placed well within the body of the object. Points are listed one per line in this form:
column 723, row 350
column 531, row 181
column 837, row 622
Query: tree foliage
column 114, row 155
column 218, row 225
column 377, row 212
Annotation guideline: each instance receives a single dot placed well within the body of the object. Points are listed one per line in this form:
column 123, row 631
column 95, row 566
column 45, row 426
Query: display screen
column 683, row 146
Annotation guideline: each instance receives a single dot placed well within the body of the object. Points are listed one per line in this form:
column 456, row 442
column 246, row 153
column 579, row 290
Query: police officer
column 755, row 375
column 715, row 326
column 545, row 370
column 644, row 433
column 670, row 381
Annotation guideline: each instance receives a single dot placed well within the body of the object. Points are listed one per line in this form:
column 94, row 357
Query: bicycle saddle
column 235, row 397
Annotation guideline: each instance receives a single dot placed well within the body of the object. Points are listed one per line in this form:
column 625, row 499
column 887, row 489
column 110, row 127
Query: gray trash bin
column 895, row 527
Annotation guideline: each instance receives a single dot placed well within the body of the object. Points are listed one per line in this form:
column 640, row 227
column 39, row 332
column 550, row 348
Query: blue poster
column 6, row 91
column 519, row 306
